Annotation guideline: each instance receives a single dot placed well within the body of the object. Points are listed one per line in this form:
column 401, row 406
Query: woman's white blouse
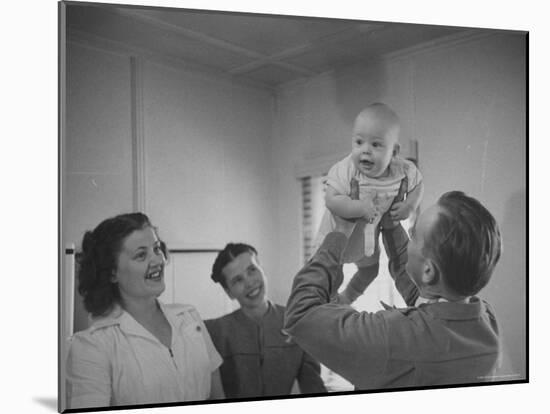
column 118, row 362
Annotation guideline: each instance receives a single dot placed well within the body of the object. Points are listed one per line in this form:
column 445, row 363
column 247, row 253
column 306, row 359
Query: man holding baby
column 451, row 338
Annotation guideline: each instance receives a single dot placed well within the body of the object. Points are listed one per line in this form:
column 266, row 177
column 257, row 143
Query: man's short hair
column 226, row 256
column 465, row 243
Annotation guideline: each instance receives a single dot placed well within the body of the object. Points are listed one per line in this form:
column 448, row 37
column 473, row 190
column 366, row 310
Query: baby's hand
column 370, row 211
column 400, row 211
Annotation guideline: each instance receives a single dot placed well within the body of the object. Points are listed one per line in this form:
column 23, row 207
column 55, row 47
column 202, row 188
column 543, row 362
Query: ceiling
column 265, row 50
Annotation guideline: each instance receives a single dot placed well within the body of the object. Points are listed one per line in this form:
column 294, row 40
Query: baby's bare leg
column 358, row 284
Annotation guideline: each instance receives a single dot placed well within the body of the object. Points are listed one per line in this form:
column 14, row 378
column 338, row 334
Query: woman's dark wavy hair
column 98, row 260
column 226, row 256
column 465, row 243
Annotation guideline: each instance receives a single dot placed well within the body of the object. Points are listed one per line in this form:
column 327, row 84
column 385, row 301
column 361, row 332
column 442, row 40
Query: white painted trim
column 81, row 38
column 117, row 48
column 180, row 244
column 93, row 173
column 426, row 47
column 98, row 43
column 348, row 33
column 138, row 136
column 68, row 286
column 439, row 44
column 66, row 306
column 189, row 33
column 213, row 41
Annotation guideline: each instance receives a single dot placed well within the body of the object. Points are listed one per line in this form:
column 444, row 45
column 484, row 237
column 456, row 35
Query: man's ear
column 113, row 278
column 396, row 149
column 430, row 272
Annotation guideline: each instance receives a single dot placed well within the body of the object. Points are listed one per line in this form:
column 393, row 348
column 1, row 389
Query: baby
column 360, row 188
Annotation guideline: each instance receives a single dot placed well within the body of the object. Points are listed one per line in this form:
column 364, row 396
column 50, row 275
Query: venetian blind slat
column 307, row 228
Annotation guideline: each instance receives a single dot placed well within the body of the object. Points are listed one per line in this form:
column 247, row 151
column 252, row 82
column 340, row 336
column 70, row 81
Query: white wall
column 97, row 169
column 465, row 104
column 208, row 169
column 97, row 162
column 207, row 161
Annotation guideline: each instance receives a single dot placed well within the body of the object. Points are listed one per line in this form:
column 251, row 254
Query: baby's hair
column 382, row 110
column 226, row 256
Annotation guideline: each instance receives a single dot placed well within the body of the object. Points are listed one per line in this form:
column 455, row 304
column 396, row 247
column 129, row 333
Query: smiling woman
column 258, row 361
column 137, row 350
column 140, row 266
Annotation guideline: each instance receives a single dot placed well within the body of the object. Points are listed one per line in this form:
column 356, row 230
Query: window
column 381, row 289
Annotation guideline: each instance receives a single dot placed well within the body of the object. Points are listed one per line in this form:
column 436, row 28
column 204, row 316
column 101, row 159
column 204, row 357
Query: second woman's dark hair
column 227, row 255
column 98, row 260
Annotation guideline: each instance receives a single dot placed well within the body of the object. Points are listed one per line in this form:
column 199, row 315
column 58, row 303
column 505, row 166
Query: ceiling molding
column 440, row 43
column 192, row 34
column 249, row 67
column 261, row 59
column 425, row 47
column 317, row 44
column 360, row 31
column 123, row 49
column 99, row 43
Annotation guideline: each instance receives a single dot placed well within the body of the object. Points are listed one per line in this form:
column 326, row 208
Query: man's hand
column 400, row 211
column 386, row 222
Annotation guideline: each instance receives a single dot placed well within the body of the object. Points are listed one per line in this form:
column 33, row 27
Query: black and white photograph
column 258, row 206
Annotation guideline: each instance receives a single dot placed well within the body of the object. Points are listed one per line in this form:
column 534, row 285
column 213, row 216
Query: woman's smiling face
column 140, row 267
column 245, row 280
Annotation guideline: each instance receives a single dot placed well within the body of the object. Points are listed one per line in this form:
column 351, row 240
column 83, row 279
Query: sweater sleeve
column 353, row 344
column 395, row 243
column 309, row 376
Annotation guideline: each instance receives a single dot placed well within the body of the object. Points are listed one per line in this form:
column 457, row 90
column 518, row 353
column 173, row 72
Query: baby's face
column 373, row 145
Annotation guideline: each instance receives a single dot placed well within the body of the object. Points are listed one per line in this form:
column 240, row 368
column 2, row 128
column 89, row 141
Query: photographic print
column 258, row 206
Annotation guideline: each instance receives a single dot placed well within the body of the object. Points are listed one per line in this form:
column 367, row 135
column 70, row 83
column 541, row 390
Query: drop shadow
column 48, row 402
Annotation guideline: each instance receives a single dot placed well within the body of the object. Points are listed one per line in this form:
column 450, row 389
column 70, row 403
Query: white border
column 29, row 203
